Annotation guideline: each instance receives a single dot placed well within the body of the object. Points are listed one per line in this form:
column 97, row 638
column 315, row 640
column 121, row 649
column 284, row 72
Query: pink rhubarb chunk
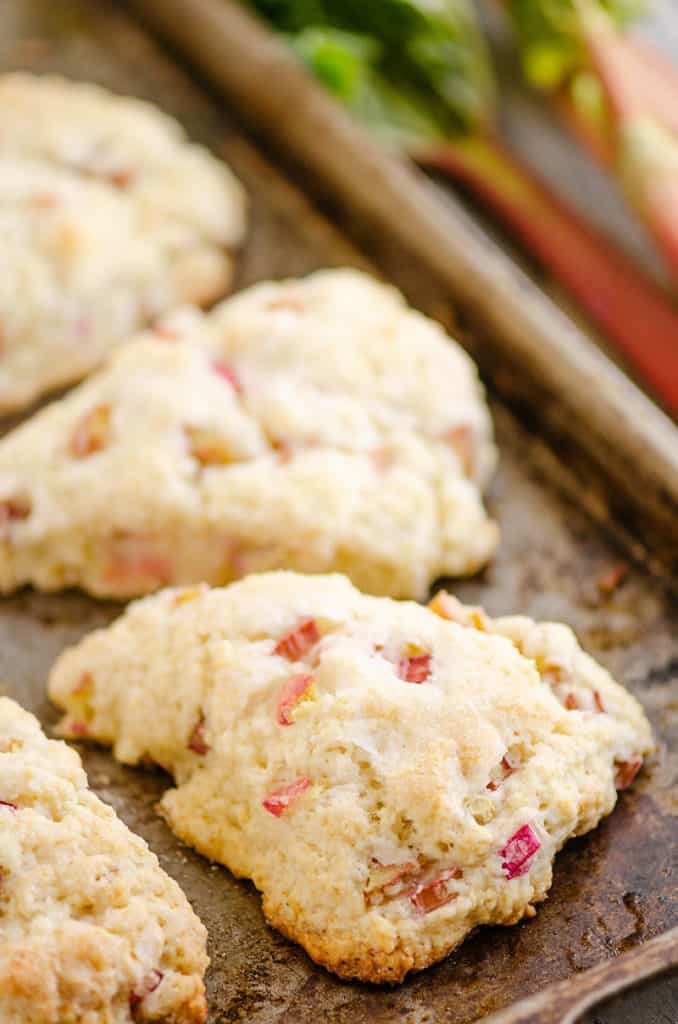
column 387, row 880
column 518, row 851
column 164, row 332
column 626, row 772
column 299, row 642
column 75, row 728
column 145, row 987
column 91, row 434
column 505, row 769
column 84, row 684
column 197, row 741
column 228, row 374
column 416, row 669
column 291, row 694
column 430, row 895
column 280, row 799
column 13, row 510
column 463, row 442
column 9, row 804
column 135, row 558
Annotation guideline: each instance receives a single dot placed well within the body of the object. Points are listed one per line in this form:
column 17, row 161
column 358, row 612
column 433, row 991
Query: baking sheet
column 613, row 889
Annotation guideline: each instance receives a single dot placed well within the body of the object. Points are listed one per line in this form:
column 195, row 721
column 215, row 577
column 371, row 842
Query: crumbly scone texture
column 315, row 425
column 390, row 778
column 108, row 217
column 92, row 931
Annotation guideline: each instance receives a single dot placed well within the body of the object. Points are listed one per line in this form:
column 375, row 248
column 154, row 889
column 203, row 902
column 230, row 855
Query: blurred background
column 557, row 118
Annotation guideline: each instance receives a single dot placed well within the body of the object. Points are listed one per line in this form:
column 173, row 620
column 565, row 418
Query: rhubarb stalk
column 628, row 306
column 643, row 102
column 418, row 75
column 618, row 96
column 588, row 121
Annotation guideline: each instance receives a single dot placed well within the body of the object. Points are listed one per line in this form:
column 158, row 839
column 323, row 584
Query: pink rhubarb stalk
column 636, row 80
column 639, row 90
column 594, row 134
column 631, row 310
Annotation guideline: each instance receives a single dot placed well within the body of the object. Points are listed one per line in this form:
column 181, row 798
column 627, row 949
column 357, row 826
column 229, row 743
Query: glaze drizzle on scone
column 109, row 217
column 388, row 777
column 91, row 928
column 315, row 437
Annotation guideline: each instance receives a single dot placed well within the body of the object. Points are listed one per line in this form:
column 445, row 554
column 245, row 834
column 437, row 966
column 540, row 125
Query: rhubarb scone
column 315, row 425
column 92, row 930
column 108, row 217
column 390, row 776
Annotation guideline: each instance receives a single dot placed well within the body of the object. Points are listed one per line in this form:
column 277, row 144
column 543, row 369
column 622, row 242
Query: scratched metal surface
column 612, row 889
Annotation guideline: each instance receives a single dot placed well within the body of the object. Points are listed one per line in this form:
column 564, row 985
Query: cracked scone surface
column 388, row 777
column 109, row 217
column 92, row 931
column 315, row 425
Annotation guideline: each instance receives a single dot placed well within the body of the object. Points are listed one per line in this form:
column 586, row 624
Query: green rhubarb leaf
column 408, row 61
column 346, row 64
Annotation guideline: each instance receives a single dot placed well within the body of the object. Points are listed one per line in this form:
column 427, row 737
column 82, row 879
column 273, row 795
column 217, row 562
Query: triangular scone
column 91, row 928
column 315, row 425
column 108, row 217
column 387, row 777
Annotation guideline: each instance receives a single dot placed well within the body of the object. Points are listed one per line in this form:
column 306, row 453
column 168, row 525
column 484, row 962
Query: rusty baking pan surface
column 614, row 889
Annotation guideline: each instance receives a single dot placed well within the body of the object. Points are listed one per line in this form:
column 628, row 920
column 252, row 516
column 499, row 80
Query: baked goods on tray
column 312, row 425
column 108, row 217
column 390, row 776
column 91, row 928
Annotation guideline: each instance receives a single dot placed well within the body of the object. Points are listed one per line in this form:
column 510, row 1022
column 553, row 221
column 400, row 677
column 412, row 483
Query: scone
column 388, row 777
column 108, row 217
column 92, row 931
column 315, row 425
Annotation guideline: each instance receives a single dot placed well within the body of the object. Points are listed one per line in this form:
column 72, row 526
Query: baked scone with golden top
column 314, row 425
column 108, row 218
column 91, row 929
column 388, row 777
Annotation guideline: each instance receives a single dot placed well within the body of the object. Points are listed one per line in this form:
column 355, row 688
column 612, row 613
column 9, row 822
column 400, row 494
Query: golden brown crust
column 375, row 966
